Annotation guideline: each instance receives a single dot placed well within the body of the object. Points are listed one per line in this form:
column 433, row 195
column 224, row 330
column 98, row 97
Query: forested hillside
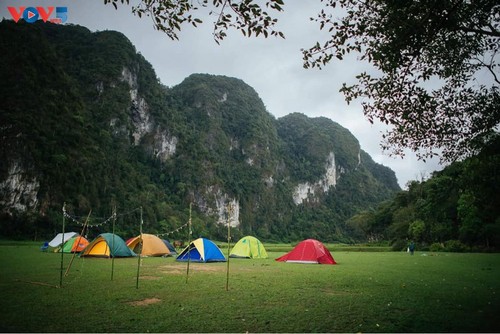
column 85, row 122
column 456, row 209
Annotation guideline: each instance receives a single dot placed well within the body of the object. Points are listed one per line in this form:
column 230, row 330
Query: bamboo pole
column 229, row 214
column 62, row 253
column 139, row 255
column 113, row 245
column 189, row 242
column 78, row 242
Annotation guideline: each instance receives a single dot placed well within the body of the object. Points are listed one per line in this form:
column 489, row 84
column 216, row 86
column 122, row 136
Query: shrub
column 436, row 247
column 399, row 245
column 455, row 246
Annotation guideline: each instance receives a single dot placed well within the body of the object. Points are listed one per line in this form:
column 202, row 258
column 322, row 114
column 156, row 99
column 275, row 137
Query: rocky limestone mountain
column 86, row 122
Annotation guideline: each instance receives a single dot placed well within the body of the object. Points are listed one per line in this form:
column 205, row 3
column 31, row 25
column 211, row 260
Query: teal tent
column 108, row 245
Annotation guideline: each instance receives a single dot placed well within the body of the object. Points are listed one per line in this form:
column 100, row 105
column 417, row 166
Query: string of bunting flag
column 129, row 212
column 172, row 232
column 78, row 219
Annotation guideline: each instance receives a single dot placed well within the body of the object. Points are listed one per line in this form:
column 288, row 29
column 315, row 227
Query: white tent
column 57, row 241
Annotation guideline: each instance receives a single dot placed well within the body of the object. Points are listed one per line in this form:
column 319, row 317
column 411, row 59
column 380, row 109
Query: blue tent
column 201, row 250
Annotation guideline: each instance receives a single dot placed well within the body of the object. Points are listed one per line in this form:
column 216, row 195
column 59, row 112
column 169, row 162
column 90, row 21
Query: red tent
column 308, row 251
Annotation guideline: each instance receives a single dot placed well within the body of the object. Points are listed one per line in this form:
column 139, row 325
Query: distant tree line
column 457, row 209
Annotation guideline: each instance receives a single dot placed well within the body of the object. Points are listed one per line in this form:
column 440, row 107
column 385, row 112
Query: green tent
column 249, row 247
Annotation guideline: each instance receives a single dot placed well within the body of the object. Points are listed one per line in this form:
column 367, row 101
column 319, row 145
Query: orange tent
column 75, row 244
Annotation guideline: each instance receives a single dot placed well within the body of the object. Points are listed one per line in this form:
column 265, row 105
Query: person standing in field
column 411, row 247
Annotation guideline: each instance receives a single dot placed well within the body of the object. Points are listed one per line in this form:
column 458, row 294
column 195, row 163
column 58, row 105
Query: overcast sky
column 273, row 67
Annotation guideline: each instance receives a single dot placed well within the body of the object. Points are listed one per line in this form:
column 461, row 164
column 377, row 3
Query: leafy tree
column 417, row 230
column 412, row 45
column 360, row 224
column 470, row 230
column 456, row 209
column 445, row 44
column 246, row 16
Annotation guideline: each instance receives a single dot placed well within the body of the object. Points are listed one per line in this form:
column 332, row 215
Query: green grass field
column 365, row 292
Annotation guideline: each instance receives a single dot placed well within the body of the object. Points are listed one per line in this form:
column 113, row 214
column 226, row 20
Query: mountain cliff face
column 84, row 121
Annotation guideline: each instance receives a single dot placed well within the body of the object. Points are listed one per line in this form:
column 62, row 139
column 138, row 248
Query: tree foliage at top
column 436, row 78
column 246, row 16
column 431, row 58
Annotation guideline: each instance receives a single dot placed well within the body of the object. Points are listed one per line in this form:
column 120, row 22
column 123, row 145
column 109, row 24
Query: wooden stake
column 62, row 253
column 79, row 238
column 113, row 245
column 139, row 255
column 229, row 214
column 189, row 242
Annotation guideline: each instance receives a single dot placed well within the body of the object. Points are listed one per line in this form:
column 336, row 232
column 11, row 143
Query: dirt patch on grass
column 176, row 269
column 145, row 302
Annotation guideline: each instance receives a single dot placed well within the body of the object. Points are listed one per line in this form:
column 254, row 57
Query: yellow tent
column 249, row 247
column 151, row 245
